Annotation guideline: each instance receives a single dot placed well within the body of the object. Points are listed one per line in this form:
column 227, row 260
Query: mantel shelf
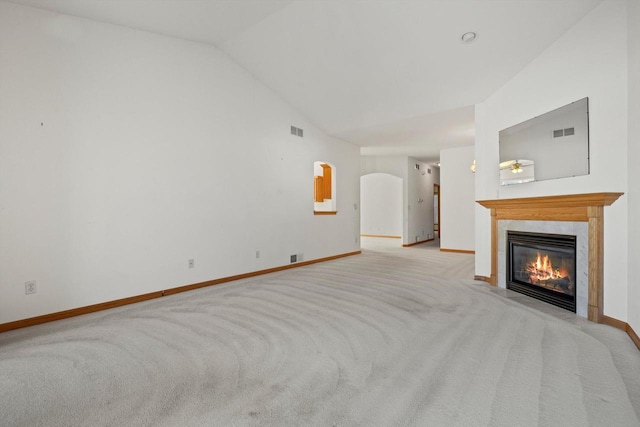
column 565, row 201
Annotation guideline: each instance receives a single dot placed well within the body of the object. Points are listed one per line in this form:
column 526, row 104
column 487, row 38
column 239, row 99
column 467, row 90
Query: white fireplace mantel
column 575, row 207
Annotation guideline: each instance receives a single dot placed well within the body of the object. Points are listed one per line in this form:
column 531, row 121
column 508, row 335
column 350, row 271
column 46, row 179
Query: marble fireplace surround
column 587, row 208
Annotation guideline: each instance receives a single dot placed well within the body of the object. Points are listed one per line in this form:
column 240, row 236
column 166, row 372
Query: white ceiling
column 390, row 76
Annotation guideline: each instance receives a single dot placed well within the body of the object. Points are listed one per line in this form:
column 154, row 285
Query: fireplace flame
column 541, row 269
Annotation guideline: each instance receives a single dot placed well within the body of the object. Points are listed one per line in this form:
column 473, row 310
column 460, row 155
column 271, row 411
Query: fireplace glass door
column 543, row 266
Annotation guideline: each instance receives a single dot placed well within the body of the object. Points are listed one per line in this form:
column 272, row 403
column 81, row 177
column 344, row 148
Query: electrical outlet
column 192, row 263
column 257, row 254
column 30, row 287
column 429, row 236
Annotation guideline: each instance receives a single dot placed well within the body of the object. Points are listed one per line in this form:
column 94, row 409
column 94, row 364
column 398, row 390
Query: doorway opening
column 436, row 211
column 381, row 215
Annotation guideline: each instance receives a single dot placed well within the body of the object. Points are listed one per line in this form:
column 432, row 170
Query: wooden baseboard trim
column 619, row 324
column 612, row 321
column 46, row 318
column 483, row 279
column 632, row 334
column 253, row 274
column 325, row 212
column 417, row 243
column 457, row 251
column 381, row 235
column 52, row 317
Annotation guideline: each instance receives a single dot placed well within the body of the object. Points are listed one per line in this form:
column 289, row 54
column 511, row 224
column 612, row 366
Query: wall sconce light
column 472, row 168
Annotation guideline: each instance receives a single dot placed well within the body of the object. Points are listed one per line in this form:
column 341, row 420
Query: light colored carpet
column 392, row 337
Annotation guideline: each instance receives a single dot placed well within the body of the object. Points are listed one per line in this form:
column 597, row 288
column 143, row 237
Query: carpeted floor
column 392, row 337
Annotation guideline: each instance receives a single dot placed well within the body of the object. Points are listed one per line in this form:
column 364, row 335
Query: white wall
column 124, row 154
column 381, row 200
column 457, row 200
column 394, row 165
column 588, row 60
column 633, row 49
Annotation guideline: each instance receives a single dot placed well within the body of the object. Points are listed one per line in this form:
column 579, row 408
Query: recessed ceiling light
column 469, row 37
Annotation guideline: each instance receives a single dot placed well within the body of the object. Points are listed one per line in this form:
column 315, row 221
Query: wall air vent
column 564, row 132
column 297, row 131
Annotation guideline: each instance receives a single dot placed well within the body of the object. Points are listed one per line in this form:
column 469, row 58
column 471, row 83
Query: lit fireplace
column 542, row 273
column 543, row 266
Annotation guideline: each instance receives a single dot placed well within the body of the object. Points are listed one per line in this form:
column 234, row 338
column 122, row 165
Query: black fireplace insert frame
column 543, row 242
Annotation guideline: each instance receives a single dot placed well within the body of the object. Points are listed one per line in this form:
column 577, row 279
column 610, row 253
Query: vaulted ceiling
column 391, row 76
